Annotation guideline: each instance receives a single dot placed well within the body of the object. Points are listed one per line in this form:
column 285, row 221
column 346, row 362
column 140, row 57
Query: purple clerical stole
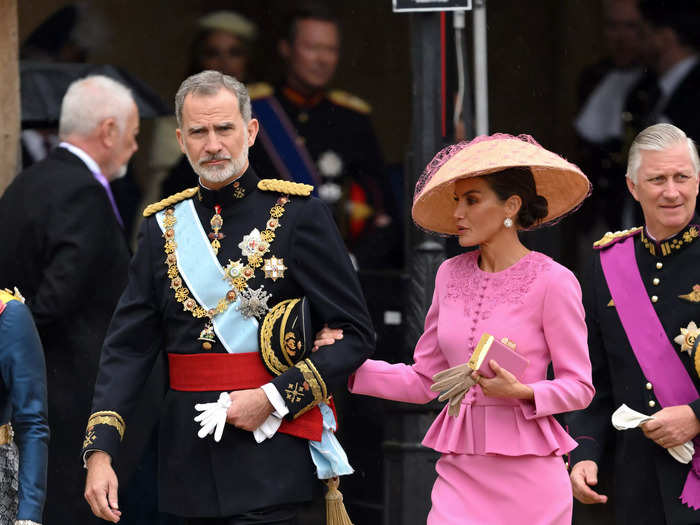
column 654, row 352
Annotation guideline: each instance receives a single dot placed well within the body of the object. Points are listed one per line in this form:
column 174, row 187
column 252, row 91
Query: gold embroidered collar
column 672, row 245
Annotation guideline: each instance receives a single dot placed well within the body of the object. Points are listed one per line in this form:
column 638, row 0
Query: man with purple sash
column 644, row 287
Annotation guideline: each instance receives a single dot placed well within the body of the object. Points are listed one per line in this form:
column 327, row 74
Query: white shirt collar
column 669, row 81
column 82, row 155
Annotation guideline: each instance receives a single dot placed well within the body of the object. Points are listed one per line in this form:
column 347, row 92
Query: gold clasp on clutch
column 510, row 344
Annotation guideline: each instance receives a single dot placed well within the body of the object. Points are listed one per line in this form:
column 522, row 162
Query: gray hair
column 658, row 138
column 91, row 100
column 209, row 83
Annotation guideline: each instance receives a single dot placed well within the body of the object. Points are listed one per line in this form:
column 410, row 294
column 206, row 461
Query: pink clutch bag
column 503, row 352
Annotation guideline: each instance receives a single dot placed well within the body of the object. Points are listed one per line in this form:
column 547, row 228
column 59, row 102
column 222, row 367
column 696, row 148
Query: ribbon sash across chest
column 206, row 279
column 651, row 346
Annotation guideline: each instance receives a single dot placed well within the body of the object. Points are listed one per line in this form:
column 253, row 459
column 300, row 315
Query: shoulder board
column 350, row 101
column 285, row 186
column 6, row 296
column 169, row 201
column 611, row 238
column 260, row 90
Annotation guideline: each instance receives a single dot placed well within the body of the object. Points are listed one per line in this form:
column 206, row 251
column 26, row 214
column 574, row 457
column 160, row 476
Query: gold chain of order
column 182, row 293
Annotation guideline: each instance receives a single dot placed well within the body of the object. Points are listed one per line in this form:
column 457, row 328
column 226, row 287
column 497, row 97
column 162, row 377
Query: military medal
column 216, row 223
column 253, row 302
column 688, row 339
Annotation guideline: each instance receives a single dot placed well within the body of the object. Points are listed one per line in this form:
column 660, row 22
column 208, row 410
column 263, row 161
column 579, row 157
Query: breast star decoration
column 688, row 337
column 274, row 268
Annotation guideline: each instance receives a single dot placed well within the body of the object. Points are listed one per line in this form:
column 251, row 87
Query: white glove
column 213, row 416
column 625, row 418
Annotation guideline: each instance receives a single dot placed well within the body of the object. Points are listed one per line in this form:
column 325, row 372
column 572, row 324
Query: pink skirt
column 501, row 490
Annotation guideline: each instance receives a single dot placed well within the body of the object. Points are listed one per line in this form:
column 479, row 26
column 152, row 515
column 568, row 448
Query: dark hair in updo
column 520, row 182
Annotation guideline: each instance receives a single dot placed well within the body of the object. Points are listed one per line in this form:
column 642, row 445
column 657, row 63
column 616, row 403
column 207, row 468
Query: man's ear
column 178, row 134
column 253, row 128
column 108, row 132
column 632, row 187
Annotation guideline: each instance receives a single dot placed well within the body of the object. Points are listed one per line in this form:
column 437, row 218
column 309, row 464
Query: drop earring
column 508, row 222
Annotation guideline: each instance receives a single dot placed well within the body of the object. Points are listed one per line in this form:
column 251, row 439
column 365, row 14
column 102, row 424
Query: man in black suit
column 660, row 266
column 63, row 246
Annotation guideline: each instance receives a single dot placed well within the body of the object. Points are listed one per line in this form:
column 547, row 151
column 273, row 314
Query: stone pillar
column 9, row 93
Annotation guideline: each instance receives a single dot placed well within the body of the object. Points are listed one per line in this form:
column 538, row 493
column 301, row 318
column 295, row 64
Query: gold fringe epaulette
column 8, row 295
column 611, row 238
column 285, row 186
column 169, row 201
column 260, row 90
column 350, row 101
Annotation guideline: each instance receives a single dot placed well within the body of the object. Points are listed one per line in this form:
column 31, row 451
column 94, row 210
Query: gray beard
column 217, row 175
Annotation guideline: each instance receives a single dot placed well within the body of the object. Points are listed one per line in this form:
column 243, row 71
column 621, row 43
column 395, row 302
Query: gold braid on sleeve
column 109, row 418
column 316, row 383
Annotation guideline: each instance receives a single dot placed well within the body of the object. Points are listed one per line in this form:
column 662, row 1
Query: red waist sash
column 211, row 372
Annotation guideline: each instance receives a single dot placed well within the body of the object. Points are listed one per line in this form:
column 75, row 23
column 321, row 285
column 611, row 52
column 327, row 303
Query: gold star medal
column 688, row 337
column 274, row 268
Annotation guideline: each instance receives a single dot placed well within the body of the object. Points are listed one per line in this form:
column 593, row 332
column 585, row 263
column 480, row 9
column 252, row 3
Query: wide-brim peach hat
column 562, row 183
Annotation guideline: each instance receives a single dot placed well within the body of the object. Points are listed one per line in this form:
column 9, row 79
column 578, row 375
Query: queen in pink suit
column 502, row 454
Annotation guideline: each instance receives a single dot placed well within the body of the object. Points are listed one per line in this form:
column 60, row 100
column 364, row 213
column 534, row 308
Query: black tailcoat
column 648, row 481
column 199, row 477
column 64, row 249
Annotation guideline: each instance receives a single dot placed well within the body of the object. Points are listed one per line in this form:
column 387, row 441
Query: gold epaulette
column 169, row 201
column 260, row 90
column 611, row 238
column 350, row 101
column 8, row 295
column 285, row 186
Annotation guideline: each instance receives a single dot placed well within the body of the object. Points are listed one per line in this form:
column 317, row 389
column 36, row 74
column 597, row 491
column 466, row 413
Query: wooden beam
column 9, row 93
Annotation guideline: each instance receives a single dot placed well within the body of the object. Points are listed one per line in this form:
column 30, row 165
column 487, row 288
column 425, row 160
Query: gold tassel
column 335, row 509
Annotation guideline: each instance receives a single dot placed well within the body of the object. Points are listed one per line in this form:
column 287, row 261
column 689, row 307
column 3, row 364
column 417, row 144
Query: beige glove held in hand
column 454, row 383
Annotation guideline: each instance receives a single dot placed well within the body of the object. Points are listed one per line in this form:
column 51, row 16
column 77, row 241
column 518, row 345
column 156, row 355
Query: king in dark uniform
column 642, row 305
column 212, row 263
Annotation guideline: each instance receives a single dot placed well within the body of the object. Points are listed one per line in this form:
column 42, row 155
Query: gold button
column 300, row 140
column 654, row 298
column 659, row 265
column 656, row 281
column 649, row 387
column 652, row 403
column 303, row 117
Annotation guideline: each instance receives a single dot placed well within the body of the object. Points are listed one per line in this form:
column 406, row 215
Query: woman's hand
column 503, row 384
column 327, row 336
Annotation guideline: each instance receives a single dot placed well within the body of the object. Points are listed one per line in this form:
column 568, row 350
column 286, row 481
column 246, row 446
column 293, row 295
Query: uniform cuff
column 275, row 399
column 695, row 406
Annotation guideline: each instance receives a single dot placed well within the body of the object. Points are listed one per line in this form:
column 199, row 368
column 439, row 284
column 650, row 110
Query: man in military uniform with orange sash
column 213, row 264
column 641, row 300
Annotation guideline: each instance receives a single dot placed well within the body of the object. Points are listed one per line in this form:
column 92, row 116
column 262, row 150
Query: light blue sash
column 205, row 278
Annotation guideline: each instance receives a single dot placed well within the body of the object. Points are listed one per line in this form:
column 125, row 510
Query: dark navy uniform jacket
column 23, row 401
column 648, row 481
column 199, row 477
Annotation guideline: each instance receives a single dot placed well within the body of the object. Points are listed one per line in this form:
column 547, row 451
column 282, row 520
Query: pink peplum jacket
column 536, row 303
